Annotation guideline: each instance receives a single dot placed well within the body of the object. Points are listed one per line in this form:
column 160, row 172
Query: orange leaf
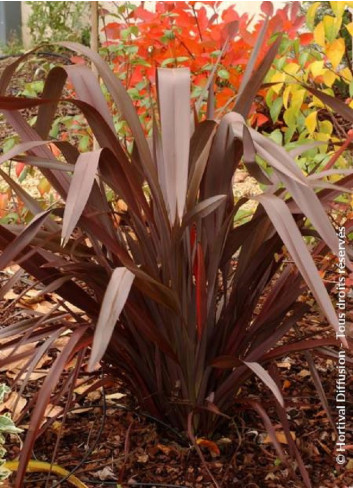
column 281, row 437
column 143, row 14
column 55, row 150
column 210, row 445
column 260, row 119
column 43, row 186
column 19, row 169
column 77, row 60
column 4, row 200
column 267, row 8
column 306, row 38
column 112, row 30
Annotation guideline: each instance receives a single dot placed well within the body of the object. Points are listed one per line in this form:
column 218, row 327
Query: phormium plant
column 158, row 296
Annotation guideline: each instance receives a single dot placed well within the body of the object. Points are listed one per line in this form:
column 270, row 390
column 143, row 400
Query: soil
column 106, row 439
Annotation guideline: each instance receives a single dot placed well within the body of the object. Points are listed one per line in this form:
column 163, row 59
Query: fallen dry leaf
column 115, row 396
column 11, row 295
column 43, row 307
column 105, row 474
column 304, row 373
column 210, row 445
column 61, row 342
column 38, row 372
column 82, row 410
column 51, row 411
column 281, row 437
column 270, row 476
column 224, row 441
column 81, row 389
column 12, row 402
column 69, row 305
column 142, row 459
column 19, row 363
column 35, row 375
column 84, row 386
column 94, row 395
column 164, row 449
column 286, row 365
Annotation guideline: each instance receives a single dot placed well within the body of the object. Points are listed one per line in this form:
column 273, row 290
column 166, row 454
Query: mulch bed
column 105, row 439
column 154, row 457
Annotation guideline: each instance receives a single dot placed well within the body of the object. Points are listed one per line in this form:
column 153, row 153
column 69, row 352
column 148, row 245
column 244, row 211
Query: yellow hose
column 37, row 466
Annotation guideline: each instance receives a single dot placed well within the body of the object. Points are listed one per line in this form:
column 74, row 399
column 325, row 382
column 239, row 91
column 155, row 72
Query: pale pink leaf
column 113, row 303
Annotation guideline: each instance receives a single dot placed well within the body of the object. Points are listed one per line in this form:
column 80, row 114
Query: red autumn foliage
column 193, row 34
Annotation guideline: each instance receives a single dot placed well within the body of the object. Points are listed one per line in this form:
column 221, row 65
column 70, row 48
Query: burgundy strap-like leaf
column 266, row 379
column 254, row 56
column 201, row 293
column 114, row 300
column 79, row 191
column 53, row 87
column 23, row 239
column 249, row 158
column 246, row 97
column 47, row 388
column 174, row 106
column 287, row 229
column 88, row 90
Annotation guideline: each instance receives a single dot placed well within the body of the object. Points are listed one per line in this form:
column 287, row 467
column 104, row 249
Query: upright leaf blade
column 88, row 90
column 287, row 229
column 113, row 302
column 174, row 105
column 246, row 97
column 201, row 292
column 254, row 56
column 266, row 379
column 79, row 191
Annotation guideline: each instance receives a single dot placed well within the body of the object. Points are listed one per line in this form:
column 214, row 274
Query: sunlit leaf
column 335, row 51
column 114, row 300
column 319, row 34
column 331, row 26
column 329, row 78
column 311, row 121
column 266, row 379
column 174, row 96
column 310, row 15
column 338, row 8
column 349, row 28
column 79, row 192
column 317, row 68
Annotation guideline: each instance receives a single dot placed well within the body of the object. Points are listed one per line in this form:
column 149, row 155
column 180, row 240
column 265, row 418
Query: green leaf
column 8, row 426
column 224, row 74
column 277, row 136
column 310, row 15
column 173, row 61
column 4, row 389
column 9, row 143
column 84, row 143
column 276, row 108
